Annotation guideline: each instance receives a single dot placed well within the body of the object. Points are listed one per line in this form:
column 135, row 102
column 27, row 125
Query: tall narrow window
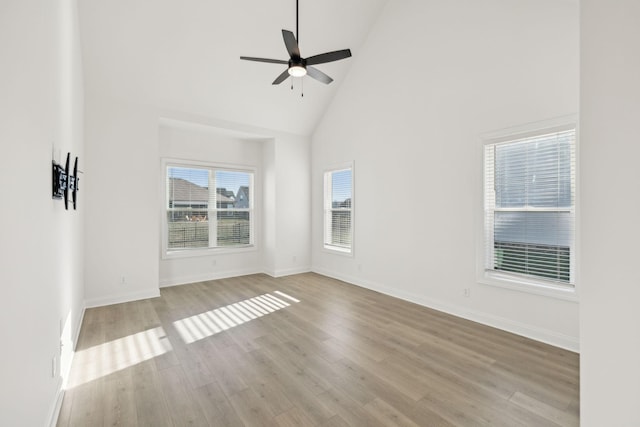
column 338, row 209
column 207, row 207
column 530, row 206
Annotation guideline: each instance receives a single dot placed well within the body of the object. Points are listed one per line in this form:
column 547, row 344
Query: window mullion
column 213, row 212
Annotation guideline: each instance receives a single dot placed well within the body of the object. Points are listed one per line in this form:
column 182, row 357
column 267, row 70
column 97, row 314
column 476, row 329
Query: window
column 338, row 209
column 529, row 207
column 207, row 207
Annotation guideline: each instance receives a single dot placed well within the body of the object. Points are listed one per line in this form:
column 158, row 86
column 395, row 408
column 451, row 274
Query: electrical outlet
column 294, row 259
column 467, row 292
column 214, row 263
column 359, row 268
column 123, row 280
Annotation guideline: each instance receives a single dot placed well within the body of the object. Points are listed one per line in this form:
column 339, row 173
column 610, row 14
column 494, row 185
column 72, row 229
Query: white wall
column 293, row 205
column 609, row 315
column 206, row 144
column 121, row 183
column 286, row 205
column 431, row 78
column 269, row 207
column 125, row 142
column 41, row 270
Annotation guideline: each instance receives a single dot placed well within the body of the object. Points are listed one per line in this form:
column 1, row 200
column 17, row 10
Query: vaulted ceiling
column 184, row 55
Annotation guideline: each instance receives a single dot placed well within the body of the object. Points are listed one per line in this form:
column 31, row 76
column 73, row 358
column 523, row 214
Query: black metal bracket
column 63, row 183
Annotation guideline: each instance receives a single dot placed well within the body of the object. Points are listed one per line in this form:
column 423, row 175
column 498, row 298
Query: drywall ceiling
column 184, row 55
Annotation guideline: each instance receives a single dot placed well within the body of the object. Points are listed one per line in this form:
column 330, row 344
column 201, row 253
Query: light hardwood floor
column 308, row 350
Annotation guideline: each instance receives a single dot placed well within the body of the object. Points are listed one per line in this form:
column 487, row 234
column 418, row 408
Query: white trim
column 233, row 167
column 553, row 338
column 118, row 299
column 184, row 280
column 326, row 247
column 200, row 252
column 212, row 251
column 288, row 271
column 55, row 414
column 516, row 282
column 533, row 286
column 76, row 334
column 54, row 411
column 338, row 250
column 529, row 129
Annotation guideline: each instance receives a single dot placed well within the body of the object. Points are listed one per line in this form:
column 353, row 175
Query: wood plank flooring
column 307, row 350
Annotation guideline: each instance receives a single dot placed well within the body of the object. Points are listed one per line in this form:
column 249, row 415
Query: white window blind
column 530, row 206
column 207, row 207
column 338, row 197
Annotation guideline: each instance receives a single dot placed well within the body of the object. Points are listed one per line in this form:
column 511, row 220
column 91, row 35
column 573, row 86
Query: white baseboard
column 54, row 412
column 174, row 281
column 117, row 299
column 78, row 326
column 288, row 271
column 75, row 336
column 533, row 332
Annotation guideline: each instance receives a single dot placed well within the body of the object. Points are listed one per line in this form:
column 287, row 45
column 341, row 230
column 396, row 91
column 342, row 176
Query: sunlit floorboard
column 307, row 350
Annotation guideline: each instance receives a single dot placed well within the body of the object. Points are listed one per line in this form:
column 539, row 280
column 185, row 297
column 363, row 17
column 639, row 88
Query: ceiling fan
column 297, row 65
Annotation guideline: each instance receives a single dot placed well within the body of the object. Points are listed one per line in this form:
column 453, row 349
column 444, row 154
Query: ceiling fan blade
column 329, row 57
column 318, row 75
column 291, row 44
column 271, row 61
column 282, row 77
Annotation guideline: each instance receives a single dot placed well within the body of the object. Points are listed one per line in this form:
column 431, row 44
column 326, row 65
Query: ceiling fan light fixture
column 297, row 65
column 297, row 71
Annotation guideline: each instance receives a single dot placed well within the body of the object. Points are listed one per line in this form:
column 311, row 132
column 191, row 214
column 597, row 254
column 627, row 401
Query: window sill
column 338, row 250
column 199, row 252
column 529, row 286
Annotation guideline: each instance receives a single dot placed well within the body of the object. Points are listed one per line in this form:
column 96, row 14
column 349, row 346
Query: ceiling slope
column 185, row 55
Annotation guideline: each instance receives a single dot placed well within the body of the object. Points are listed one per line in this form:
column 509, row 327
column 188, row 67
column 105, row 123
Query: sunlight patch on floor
column 212, row 322
column 107, row 358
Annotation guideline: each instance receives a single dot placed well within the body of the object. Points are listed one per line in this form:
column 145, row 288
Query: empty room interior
column 322, row 213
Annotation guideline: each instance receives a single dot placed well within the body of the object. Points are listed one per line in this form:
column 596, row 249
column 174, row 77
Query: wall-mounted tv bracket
column 74, row 180
column 63, row 183
column 59, row 180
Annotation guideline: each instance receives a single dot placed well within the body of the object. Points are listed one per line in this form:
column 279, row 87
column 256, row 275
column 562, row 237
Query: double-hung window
column 529, row 207
column 338, row 209
column 207, row 207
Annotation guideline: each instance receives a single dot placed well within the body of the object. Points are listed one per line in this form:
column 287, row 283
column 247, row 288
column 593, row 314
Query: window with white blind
column 338, row 209
column 207, row 207
column 529, row 207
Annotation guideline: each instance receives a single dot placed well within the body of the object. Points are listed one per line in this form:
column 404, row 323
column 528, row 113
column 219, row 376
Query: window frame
column 327, row 206
column 515, row 281
column 167, row 253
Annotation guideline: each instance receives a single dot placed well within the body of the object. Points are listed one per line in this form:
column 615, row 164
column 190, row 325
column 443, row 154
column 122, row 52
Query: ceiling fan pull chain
column 302, row 87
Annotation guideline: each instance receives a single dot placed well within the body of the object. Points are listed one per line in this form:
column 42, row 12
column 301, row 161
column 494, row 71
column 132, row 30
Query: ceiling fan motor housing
column 297, row 62
column 299, row 66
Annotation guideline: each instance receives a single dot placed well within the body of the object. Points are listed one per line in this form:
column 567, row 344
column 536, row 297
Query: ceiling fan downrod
column 298, row 66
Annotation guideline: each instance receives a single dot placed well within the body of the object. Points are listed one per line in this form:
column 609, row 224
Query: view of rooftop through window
column 228, row 180
column 198, row 216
